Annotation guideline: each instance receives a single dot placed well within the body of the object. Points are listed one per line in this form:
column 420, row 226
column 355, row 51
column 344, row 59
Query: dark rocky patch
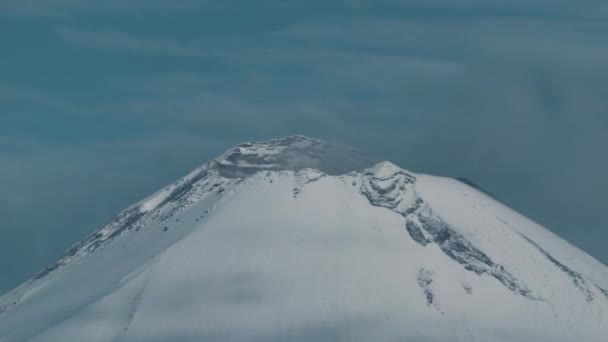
column 389, row 196
column 452, row 243
column 425, row 279
column 416, row 233
column 417, row 204
column 296, row 192
column 126, row 222
column 462, row 251
column 602, row 290
column 180, row 194
column 184, row 189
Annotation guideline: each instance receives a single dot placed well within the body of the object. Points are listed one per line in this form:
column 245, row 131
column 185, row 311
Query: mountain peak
column 294, row 152
column 288, row 153
column 386, row 169
column 325, row 255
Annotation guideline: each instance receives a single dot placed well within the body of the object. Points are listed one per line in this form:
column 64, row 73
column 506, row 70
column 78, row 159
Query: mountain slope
column 274, row 241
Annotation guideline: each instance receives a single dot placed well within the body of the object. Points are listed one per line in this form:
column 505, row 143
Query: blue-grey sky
column 103, row 102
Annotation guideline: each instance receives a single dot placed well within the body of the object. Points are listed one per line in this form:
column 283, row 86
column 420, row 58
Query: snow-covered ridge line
column 263, row 243
column 159, row 207
column 384, row 185
column 288, row 153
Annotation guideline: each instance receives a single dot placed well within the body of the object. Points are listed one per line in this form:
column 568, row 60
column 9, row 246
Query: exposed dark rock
column 124, row 223
column 296, row 192
column 390, row 192
column 425, row 279
column 465, row 253
column 417, row 204
column 416, row 233
column 185, row 188
column 178, row 199
column 602, row 290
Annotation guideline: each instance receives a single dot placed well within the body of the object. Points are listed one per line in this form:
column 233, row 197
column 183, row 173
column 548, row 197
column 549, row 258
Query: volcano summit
column 295, row 239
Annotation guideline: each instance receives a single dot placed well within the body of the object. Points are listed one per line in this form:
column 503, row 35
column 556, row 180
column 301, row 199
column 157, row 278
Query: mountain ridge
column 262, row 229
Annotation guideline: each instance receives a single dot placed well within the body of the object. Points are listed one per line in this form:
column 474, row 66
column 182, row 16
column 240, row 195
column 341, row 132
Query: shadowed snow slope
column 275, row 241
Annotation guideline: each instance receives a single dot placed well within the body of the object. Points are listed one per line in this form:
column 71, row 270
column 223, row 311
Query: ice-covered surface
column 264, row 243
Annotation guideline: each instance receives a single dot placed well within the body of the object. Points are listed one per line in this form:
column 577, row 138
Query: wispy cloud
column 118, row 40
column 62, row 8
column 16, row 94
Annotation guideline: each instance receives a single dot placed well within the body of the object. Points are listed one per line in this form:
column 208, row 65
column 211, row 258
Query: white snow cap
column 386, row 169
column 292, row 153
column 257, row 246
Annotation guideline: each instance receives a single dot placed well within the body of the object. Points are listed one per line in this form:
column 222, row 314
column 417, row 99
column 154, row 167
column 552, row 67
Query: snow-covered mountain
column 298, row 240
